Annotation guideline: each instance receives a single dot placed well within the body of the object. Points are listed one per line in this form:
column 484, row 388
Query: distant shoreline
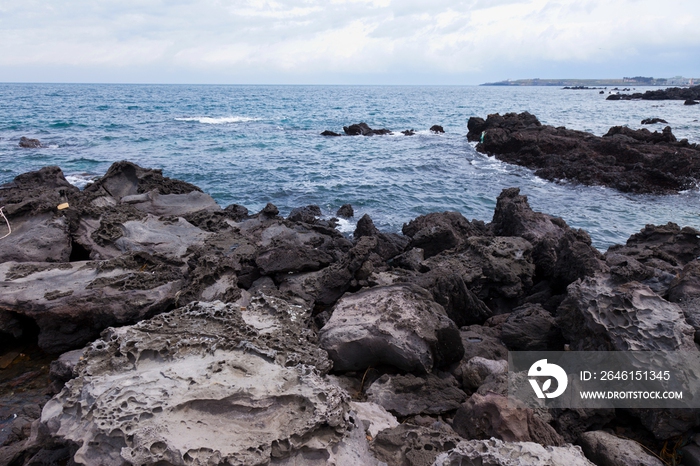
column 640, row 81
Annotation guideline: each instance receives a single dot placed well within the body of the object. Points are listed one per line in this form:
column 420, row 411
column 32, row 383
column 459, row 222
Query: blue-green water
column 256, row 144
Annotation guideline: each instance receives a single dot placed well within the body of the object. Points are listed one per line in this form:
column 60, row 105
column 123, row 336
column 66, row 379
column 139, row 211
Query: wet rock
column 72, row 302
column 600, row 315
column 437, row 232
column 494, row 452
column 237, row 212
column 652, row 121
column 373, row 417
column 437, row 129
column 329, row 133
column 531, row 328
column 476, row 370
column 179, row 205
column 398, row 325
column 605, row 449
column 345, row 211
column 173, row 389
column 483, row 417
column 408, row 132
column 690, row 102
column 414, row 445
column 670, row 93
column 28, row 143
column 362, row 129
column 628, row 160
column 307, row 214
column 408, row 395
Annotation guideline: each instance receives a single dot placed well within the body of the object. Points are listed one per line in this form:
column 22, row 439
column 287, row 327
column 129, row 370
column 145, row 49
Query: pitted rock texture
column 600, row 315
column 609, row 450
column 409, row 444
column 398, row 325
column 494, row 452
column 204, row 384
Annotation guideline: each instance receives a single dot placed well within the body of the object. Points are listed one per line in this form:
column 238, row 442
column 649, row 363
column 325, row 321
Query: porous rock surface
column 605, row 449
column 398, row 325
column 494, row 452
column 408, row 395
column 204, row 384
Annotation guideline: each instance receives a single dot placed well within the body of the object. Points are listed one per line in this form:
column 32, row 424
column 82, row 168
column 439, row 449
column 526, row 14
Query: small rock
column 306, row 214
column 690, row 102
column 651, row 121
column 408, row 132
column 374, row 417
column 437, row 129
column 29, row 143
column 345, row 211
column 478, row 369
column 270, row 210
column 329, row 133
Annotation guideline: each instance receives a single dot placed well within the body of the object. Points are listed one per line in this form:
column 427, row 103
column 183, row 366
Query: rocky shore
column 671, row 93
column 141, row 323
column 636, row 161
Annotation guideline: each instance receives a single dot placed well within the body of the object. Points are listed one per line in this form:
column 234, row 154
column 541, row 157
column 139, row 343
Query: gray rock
column 605, row 449
column 307, row 214
column 61, row 370
column 476, row 370
column 691, row 455
column 71, row 303
column 408, row 395
column 494, row 452
column 414, row 445
column 399, row 325
column 492, row 415
column 178, row 205
column 154, row 236
column 531, row 328
column 187, row 386
column 600, row 315
column 345, row 211
column 483, row 341
column 374, row 417
column 28, row 143
column 440, row 231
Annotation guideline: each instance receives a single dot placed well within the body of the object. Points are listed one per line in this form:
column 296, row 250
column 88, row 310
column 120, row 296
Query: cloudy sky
column 345, row 41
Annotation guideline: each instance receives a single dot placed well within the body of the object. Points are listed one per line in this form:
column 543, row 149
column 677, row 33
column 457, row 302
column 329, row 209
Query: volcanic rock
column 609, row 450
column 599, row 315
column 484, row 342
column 398, row 325
column 329, row 133
column 362, row 129
column 306, row 214
column 483, row 417
column 690, row 102
column 206, row 365
column 671, row 93
column 651, row 121
column 624, row 159
column 345, row 211
column 476, row 370
column 374, row 417
column 437, row 232
column 494, row 452
column 531, row 328
column 28, row 143
column 437, row 129
column 408, row 395
column 414, row 445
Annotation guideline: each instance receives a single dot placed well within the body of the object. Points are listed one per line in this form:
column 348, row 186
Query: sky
column 345, row 41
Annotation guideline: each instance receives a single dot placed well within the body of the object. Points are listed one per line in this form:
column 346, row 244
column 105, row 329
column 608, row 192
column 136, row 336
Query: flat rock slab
column 398, row 325
column 408, row 395
column 495, row 452
column 200, row 386
column 72, row 303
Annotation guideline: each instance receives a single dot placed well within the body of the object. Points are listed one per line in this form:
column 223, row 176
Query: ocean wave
column 218, row 120
column 80, row 180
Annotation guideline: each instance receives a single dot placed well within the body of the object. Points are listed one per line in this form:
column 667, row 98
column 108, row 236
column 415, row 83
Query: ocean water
column 256, row 144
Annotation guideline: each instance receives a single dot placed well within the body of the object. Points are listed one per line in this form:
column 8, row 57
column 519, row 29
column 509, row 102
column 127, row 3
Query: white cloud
column 272, row 40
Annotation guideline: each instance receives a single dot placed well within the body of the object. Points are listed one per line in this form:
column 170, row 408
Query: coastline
column 150, row 272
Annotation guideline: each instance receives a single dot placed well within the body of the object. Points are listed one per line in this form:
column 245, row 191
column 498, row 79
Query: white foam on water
column 80, row 180
column 218, row 120
column 345, row 226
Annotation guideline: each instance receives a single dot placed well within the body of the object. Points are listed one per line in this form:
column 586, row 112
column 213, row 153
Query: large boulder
column 188, row 386
column 494, row 452
column 599, row 314
column 398, row 325
column 436, row 232
column 531, row 328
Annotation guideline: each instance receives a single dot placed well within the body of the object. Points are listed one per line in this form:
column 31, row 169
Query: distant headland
column 582, row 83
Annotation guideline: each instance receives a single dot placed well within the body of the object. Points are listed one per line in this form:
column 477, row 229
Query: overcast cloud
column 345, row 41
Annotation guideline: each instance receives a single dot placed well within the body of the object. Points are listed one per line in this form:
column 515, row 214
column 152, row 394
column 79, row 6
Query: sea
column 255, row 144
